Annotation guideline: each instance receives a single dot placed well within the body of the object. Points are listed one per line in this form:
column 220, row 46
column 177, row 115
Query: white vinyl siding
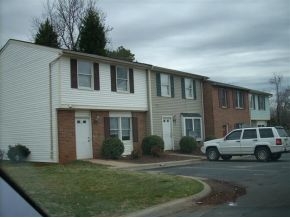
column 24, row 99
column 103, row 99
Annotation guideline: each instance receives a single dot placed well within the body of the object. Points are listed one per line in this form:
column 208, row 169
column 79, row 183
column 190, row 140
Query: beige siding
column 24, row 99
column 163, row 106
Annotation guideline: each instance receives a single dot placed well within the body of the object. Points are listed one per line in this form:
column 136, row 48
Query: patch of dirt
column 222, row 192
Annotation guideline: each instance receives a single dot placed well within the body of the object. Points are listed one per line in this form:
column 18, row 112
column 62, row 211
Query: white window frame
column 127, row 80
column 83, row 74
column 253, row 102
column 192, row 120
column 188, row 87
column 120, row 129
column 162, row 84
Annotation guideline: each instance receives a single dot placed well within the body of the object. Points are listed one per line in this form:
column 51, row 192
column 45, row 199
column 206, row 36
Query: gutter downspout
column 150, row 101
column 50, row 105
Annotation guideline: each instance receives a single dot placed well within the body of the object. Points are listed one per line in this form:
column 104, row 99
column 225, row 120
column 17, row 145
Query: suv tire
column 275, row 156
column 212, row 154
column 262, row 154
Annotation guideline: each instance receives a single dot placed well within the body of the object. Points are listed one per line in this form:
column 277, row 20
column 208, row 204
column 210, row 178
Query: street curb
column 170, row 207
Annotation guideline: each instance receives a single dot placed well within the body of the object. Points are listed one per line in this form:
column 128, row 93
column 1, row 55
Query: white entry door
column 83, row 138
column 167, row 133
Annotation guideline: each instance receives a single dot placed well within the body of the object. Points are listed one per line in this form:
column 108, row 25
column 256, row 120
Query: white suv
column 266, row 143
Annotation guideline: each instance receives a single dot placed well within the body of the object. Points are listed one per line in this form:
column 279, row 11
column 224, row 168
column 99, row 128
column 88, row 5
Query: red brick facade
column 218, row 119
column 67, row 134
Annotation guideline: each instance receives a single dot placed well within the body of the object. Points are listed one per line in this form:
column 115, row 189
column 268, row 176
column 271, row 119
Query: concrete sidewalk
column 139, row 166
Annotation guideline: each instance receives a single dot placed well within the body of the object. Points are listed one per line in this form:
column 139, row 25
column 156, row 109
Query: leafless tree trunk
column 276, row 81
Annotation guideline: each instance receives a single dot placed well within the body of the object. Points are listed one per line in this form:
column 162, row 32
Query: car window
column 234, row 135
column 282, row 132
column 250, row 134
column 266, row 133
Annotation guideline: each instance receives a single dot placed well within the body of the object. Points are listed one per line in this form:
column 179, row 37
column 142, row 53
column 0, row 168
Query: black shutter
column 158, row 84
column 113, row 79
column 135, row 129
column 194, row 89
column 131, row 80
column 172, row 85
column 96, row 77
column 74, row 73
column 107, row 127
column 182, row 88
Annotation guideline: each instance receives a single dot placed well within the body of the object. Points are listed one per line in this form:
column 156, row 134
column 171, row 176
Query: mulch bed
column 165, row 157
column 222, row 192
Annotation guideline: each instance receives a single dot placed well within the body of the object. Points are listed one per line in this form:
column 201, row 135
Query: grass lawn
column 86, row 189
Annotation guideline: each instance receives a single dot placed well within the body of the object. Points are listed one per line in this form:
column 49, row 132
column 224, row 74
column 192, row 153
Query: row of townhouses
column 62, row 104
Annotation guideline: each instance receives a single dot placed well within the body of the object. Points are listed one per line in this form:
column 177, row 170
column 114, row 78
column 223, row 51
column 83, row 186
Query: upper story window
column 165, row 85
column 261, row 103
column 239, row 100
column 223, row 98
column 84, row 74
column 188, row 87
column 122, row 79
column 253, row 102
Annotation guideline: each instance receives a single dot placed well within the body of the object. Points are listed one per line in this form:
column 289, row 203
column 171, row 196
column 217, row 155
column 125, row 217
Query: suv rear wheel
column 262, row 154
column 275, row 156
column 212, row 154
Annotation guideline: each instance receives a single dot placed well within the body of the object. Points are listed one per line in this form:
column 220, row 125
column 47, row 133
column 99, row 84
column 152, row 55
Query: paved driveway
column 267, row 184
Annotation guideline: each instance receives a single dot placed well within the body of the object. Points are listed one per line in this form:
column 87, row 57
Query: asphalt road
column 267, row 184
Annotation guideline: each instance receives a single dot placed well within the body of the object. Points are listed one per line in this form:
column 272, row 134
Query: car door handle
column 255, row 140
column 238, row 141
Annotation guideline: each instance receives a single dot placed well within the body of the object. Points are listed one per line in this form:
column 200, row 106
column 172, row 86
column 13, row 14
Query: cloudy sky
column 239, row 42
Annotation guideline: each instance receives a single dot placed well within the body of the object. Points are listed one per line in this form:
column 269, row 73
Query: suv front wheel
column 262, row 154
column 212, row 154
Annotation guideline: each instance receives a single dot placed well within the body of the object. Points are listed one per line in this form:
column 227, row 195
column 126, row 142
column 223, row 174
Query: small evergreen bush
column 112, row 148
column 152, row 141
column 187, row 144
column 18, row 153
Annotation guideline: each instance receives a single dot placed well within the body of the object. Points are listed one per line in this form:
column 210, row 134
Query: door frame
column 84, row 115
column 171, row 130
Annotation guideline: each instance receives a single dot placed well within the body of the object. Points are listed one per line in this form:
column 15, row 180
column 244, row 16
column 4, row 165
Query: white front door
column 83, row 138
column 167, row 133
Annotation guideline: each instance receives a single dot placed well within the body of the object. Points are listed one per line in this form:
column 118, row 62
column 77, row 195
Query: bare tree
column 276, row 81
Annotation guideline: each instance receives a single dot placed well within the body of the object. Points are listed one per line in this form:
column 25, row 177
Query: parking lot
column 267, row 184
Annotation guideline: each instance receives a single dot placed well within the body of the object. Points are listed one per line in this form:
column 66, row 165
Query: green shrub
column 187, row 144
column 18, row 153
column 152, row 141
column 156, row 151
column 112, row 148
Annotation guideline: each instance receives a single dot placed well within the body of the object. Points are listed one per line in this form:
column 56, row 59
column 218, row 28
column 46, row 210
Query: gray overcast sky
column 239, row 42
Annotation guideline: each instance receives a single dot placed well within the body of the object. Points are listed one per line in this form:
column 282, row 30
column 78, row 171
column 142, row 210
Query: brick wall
column 98, row 133
column 142, row 128
column 216, row 117
column 66, row 135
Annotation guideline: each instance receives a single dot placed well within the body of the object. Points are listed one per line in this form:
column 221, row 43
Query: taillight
column 278, row 141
